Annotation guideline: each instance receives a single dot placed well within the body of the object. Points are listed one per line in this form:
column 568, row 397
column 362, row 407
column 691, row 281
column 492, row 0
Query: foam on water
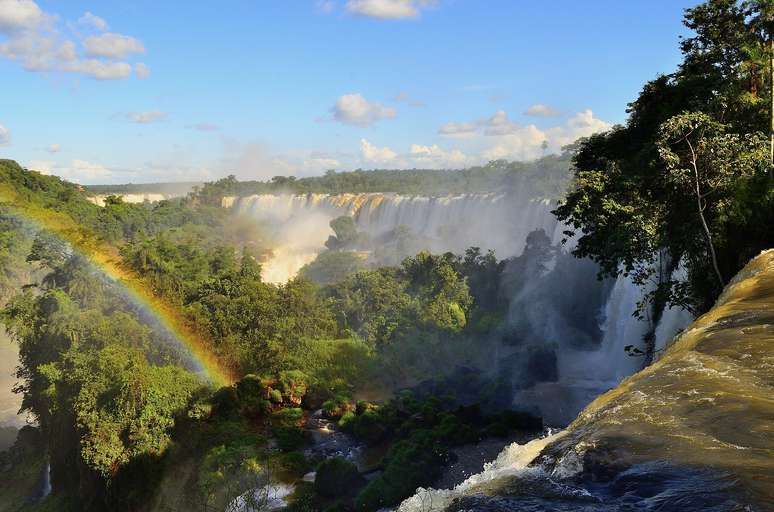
column 513, row 461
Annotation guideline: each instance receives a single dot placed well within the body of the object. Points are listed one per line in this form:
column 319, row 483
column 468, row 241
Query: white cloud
column 388, row 9
column 19, row 15
column 526, row 143
column 98, row 69
column 436, row 157
column 112, row 46
column 90, row 20
column 145, row 117
column 519, row 144
column 77, row 171
column 141, row 70
column 35, row 40
column 356, row 110
column 42, row 166
column 371, row 153
column 54, row 148
column 580, row 125
column 418, row 156
column 499, row 124
column 5, row 136
column 541, row 110
column 458, row 129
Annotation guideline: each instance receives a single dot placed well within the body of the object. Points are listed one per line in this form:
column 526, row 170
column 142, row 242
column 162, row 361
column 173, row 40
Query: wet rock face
column 706, row 403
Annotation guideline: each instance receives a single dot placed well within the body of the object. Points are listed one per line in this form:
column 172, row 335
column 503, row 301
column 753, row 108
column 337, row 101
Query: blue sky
column 137, row 91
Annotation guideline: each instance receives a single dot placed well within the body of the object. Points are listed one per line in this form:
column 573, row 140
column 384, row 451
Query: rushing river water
column 692, row 432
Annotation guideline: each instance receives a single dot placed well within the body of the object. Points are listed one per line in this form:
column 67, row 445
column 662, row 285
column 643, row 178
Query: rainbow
column 106, row 259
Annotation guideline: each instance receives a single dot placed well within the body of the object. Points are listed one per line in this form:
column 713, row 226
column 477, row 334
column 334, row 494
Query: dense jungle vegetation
column 113, row 395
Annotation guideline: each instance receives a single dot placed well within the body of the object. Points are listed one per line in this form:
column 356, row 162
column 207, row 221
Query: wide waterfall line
column 447, row 223
column 565, row 318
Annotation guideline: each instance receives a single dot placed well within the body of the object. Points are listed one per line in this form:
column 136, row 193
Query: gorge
column 582, row 322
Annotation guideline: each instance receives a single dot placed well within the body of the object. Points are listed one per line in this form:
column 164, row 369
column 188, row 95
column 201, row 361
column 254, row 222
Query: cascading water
column 673, row 319
column 564, row 316
column 144, row 197
column 451, row 223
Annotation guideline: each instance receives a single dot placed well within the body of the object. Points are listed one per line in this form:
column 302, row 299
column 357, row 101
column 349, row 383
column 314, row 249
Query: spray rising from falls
column 451, row 223
column 564, row 338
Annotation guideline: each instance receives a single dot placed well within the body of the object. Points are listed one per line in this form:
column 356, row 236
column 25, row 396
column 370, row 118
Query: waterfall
column 513, row 461
column 149, row 197
column 674, row 319
column 449, row 223
column 566, row 317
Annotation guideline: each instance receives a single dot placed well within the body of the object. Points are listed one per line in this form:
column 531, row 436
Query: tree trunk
column 707, row 233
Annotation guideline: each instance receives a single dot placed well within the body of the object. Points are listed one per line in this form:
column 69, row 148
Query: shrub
column 336, row 477
column 293, row 385
column 337, row 406
column 226, row 402
column 410, row 463
column 250, row 386
column 285, row 426
column 275, row 395
column 294, row 463
column 346, row 419
column 289, row 438
column 287, row 417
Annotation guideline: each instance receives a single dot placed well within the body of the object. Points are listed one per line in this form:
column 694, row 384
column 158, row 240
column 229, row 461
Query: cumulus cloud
column 388, row 9
column 54, row 148
column 19, row 15
column 35, row 39
column 371, row 153
column 436, row 157
column 112, row 46
column 93, row 21
column 141, row 70
column 5, row 136
column 354, row 109
column 541, row 110
column 497, row 124
column 418, row 156
column 524, row 143
column 145, row 117
column 580, row 125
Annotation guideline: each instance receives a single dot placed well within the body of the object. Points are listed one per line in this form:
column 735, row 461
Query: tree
column 635, row 196
column 704, row 162
column 345, row 232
